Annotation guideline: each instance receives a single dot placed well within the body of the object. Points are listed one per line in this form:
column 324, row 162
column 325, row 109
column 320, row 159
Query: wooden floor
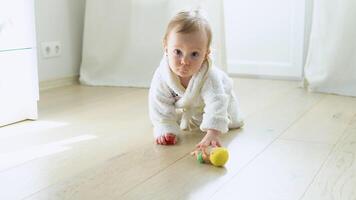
column 96, row 143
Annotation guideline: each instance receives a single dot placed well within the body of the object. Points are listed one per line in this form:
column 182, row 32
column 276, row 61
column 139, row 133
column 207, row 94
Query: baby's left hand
column 211, row 138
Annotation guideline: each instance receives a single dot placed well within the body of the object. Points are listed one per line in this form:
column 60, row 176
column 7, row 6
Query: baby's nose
column 185, row 60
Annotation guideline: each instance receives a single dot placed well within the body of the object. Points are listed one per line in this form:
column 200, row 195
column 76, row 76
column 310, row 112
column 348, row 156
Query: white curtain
column 122, row 43
column 331, row 61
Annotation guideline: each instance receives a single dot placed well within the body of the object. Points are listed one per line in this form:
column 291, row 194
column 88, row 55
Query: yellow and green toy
column 218, row 156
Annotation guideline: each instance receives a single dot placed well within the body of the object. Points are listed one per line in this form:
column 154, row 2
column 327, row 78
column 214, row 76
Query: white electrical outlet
column 51, row 49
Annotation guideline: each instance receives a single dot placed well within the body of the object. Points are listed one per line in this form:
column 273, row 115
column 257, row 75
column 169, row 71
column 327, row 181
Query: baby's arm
column 215, row 117
column 162, row 113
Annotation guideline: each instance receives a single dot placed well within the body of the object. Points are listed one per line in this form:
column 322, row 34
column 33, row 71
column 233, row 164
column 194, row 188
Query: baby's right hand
column 167, row 139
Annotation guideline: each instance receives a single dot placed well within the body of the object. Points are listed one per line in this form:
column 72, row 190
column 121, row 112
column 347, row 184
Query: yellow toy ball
column 219, row 156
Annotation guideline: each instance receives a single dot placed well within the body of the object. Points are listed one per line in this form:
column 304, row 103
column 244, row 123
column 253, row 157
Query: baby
column 187, row 91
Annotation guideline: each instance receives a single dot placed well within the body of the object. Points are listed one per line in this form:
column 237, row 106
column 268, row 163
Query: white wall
column 60, row 20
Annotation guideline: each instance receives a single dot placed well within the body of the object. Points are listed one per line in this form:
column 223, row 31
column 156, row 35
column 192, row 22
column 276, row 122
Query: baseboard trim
column 268, row 77
column 66, row 81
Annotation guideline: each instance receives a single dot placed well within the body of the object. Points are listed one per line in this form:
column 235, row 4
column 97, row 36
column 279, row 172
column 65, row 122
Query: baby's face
column 186, row 52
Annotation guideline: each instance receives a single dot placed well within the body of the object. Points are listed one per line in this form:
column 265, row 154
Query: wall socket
column 51, row 49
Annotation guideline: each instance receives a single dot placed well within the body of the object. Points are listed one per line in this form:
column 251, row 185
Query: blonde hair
column 189, row 22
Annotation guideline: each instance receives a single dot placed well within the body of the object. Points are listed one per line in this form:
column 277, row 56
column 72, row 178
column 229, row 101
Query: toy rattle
column 218, row 156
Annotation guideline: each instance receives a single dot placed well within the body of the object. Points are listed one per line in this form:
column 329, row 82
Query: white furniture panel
column 19, row 91
column 265, row 38
column 16, row 24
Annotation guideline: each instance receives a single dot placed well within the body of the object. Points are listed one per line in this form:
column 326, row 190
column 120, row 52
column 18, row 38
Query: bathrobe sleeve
column 161, row 107
column 213, row 93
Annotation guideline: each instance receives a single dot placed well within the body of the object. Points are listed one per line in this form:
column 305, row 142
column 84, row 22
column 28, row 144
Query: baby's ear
column 165, row 51
column 207, row 53
column 164, row 44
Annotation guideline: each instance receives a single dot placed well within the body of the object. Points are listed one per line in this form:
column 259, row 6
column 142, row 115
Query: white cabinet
column 19, row 91
column 265, row 38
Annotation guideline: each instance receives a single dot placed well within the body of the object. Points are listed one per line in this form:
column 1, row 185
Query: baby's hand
column 211, row 138
column 167, row 139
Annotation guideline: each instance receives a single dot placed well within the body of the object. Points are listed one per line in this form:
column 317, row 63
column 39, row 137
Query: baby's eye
column 195, row 54
column 177, row 52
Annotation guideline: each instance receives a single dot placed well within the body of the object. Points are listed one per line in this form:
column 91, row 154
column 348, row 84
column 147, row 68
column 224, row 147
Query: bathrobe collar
column 195, row 84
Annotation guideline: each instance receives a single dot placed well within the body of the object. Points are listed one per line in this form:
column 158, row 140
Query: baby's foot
column 167, row 139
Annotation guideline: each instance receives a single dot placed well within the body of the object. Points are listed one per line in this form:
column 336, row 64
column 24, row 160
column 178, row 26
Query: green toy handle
column 200, row 157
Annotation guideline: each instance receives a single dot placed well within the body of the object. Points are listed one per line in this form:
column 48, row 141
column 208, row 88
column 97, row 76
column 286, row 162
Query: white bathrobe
column 208, row 102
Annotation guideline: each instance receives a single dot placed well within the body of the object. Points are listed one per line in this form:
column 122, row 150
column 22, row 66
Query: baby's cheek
column 176, row 62
column 196, row 68
column 173, row 59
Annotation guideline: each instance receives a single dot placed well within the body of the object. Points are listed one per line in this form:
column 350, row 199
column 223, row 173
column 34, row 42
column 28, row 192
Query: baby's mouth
column 183, row 71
